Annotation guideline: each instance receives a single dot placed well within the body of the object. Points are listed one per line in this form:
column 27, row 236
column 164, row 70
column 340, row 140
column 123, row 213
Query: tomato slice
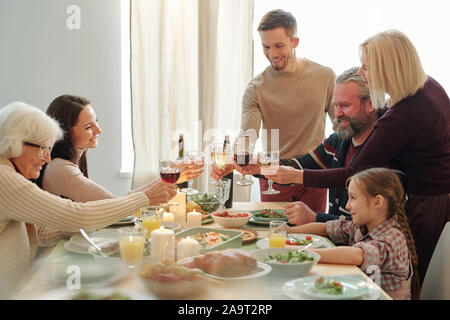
column 288, row 242
column 309, row 238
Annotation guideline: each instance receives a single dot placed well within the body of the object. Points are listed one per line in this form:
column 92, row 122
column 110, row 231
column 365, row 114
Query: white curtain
column 190, row 63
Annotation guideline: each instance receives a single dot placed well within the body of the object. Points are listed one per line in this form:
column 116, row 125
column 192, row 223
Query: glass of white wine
column 220, row 157
column 269, row 162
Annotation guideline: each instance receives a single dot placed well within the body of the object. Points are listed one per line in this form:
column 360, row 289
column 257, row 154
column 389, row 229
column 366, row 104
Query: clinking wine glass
column 243, row 153
column 222, row 191
column 192, row 157
column 269, row 162
column 220, row 156
column 170, row 172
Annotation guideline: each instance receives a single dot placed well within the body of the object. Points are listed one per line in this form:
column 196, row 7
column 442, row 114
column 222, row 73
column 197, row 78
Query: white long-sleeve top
column 23, row 206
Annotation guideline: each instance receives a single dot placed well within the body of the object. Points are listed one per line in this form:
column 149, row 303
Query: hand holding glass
column 269, row 161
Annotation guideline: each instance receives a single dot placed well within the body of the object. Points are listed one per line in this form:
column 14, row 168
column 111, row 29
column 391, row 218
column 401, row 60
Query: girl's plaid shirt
column 384, row 247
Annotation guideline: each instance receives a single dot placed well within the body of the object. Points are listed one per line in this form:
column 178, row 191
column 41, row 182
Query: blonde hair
column 385, row 182
column 394, row 67
column 19, row 123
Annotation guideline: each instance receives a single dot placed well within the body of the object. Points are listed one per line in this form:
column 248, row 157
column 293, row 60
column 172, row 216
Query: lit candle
column 187, row 247
column 168, row 217
column 194, row 219
column 179, row 211
column 162, row 245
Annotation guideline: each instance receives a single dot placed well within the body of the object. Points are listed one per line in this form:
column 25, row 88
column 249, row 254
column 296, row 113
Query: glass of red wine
column 169, row 171
column 243, row 154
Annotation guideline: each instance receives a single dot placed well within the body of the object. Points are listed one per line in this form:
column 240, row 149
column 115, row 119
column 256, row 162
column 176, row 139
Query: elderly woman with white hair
column 27, row 135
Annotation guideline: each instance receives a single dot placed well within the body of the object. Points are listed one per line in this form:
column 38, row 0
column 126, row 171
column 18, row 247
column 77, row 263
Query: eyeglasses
column 44, row 150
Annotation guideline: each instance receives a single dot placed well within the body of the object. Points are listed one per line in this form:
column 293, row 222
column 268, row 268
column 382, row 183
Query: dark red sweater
column 412, row 136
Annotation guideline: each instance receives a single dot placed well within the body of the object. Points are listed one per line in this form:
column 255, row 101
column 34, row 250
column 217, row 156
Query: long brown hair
column 386, row 182
column 66, row 109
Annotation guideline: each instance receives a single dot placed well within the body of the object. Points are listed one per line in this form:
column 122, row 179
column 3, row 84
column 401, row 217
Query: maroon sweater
column 412, row 136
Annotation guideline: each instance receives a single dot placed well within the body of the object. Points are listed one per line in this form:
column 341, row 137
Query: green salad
column 206, row 201
column 270, row 214
column 289, row 257
column 328, row 286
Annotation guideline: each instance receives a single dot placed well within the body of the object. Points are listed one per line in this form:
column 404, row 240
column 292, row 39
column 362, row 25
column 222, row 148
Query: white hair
column 20, row 122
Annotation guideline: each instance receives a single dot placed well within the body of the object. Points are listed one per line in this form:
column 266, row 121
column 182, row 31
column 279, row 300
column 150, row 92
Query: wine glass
column 170, row 172
column 222, row 191
column 243, row 153
column 269, row 161
column 192, row 157
column 220, row 156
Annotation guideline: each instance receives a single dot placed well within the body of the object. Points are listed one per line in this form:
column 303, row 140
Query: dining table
column 45, row 283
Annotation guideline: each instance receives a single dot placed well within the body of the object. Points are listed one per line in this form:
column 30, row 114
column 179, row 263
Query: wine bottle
column 181, row 157
column 229, row 202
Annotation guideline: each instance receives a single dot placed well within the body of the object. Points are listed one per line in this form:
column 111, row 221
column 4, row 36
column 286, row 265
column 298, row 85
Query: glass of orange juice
column 277, row 237
column 131, row 243
column 151, row 219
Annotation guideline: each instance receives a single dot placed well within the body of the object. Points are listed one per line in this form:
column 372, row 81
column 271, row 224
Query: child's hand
column 299, row 213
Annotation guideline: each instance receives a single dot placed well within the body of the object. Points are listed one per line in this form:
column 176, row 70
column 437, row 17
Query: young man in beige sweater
column 292, row 95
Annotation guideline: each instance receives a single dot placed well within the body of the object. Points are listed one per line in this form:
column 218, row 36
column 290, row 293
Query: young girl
column 378, row 234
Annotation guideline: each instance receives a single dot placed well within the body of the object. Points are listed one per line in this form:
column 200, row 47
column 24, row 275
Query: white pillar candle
column 187, row 247
column 194, row 219
column 168, row 217
column 162, row 245
column 179, row 211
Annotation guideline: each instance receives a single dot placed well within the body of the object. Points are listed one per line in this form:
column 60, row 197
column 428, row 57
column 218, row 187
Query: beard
column 355, row 126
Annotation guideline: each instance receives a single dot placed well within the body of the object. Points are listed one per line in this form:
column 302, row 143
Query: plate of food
column 212, row 239
column 287, row 262
column 125, row 221
column 249, row 235
column 345, row 287
column 228, row 265
column 267, row 215
column 298, row 241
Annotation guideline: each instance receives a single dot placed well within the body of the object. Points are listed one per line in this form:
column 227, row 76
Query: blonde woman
column 413, row 136
column 27, row 136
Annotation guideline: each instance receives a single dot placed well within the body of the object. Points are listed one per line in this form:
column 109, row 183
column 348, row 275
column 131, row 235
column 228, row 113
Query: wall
column 41, row 58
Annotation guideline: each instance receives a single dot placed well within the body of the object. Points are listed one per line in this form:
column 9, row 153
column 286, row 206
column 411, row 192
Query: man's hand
column 299, row 213
column 286, row 175
column 190, row 171
column 250, row 169
column 218, row 173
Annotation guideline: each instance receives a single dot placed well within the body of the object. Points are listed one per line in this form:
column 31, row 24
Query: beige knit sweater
column 296, row 103
column 23, row 205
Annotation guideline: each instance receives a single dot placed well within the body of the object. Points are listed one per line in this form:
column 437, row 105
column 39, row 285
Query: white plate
column 100, row 236
column 318, row 242
column 88, row 272
column 354, row 288
column 262, row 270
column 69, row 246
column 262, row 223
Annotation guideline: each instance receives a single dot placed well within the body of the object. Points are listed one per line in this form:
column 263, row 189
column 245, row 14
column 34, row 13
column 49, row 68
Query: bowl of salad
column 287, row 262
column 231, row 218
column 207, row 201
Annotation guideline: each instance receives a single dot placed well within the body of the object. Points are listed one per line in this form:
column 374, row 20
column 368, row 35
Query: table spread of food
column 204, row 261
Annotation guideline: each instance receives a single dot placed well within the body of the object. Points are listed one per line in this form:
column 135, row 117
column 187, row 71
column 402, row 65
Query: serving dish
column 291, row 269
column 317, row 241
column 262, row 270
column 354, row 287
column 234, row 240
column 231, row 218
